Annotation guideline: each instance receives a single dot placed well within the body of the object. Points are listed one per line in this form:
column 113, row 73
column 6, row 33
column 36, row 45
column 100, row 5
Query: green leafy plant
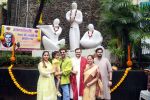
column 21, row 61
column 122, row 20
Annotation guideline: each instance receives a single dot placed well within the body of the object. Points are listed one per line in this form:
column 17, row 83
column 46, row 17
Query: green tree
column 122, row 20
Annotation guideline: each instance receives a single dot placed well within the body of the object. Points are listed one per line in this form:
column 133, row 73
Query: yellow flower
column 17, row 84
column 121, row 80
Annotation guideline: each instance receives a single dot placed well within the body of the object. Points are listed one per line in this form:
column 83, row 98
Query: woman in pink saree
column 92, row 81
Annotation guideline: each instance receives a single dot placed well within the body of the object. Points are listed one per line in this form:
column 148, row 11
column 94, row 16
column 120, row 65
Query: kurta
column 79, row 65
column 46, row 89
column 65, row 67
column 105, row 68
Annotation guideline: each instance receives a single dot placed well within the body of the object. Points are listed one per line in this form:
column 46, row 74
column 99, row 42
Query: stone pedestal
column 147, row 71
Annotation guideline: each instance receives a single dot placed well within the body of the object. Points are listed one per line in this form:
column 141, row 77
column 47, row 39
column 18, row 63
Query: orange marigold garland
column 2, row 33
column 12, row 59
column 39, row 35
column 121, row 80
column 17, row 84
column 129, row 64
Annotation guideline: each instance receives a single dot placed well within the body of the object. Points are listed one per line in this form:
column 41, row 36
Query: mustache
column 100, row 55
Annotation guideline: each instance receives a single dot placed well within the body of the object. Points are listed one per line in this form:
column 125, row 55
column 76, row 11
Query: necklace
column 90, row 34
column 74, row 15
column 55, row 29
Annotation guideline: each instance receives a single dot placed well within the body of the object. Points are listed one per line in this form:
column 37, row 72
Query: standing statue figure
column 50, row 39
column 92, row 38
column 74, row 16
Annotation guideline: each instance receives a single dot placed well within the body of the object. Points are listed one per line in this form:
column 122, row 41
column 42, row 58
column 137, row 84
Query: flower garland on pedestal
column 121, row 80
column 17, row 84
column 2, row 33
column 12, row 59
column 129, row 64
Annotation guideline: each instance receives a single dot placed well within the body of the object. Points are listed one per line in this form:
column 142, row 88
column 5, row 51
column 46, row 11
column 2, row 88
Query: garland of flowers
column 121, row 80
column 129, row 64
column 90, row 34
column 13, row 77
column 39, row 35
column 2, row 33
column 41, row 19
column 17, row 84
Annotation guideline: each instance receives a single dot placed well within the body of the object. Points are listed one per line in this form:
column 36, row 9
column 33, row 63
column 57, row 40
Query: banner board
column 26, row 37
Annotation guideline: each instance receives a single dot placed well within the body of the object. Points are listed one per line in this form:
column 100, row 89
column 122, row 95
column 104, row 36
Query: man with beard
column 77, row 82
column 105, row 70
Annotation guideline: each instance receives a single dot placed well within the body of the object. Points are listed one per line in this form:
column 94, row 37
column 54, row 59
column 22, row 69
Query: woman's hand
column 88, row 84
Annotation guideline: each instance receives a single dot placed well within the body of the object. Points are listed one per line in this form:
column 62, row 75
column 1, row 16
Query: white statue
column 92, row 38
column 52, row 32
column 75, row 18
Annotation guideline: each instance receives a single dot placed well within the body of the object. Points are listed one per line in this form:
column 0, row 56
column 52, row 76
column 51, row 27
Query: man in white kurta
column 75, row 17
column 105, row 70
column 78, row 64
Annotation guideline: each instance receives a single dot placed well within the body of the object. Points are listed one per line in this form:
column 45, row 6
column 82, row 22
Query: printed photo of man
column 8, row 40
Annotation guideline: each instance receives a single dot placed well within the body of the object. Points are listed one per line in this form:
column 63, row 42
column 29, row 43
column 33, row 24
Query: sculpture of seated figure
column 50, row 39
column 74, row 17
column 92, row 38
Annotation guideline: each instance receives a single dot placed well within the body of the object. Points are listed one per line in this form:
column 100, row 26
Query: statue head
column 74, row 5
column 91, row 27
column 56, row 22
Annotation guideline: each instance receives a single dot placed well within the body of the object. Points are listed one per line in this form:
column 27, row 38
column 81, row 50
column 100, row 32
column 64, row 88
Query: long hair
column 42, row 60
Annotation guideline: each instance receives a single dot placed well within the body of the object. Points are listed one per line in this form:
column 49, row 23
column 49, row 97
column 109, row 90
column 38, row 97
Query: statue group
column 91, row 39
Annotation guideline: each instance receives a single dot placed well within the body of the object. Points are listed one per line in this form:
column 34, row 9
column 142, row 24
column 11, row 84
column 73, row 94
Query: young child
column 56, row 66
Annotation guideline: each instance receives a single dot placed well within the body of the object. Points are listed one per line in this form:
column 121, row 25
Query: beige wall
column 135, row 2
column 138, row 1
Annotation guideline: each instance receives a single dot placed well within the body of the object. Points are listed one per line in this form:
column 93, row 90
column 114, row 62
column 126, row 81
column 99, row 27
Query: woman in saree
column 46, row 89
column 92, row 81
